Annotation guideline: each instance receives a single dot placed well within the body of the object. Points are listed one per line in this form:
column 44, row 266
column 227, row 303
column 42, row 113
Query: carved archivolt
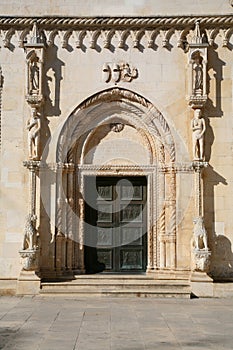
column 115, row 108
column 93, row 31
column 149, row 116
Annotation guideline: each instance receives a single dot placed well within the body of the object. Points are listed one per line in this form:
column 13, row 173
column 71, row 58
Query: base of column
column 201, row 284
column 79, row 272
column 28, row 283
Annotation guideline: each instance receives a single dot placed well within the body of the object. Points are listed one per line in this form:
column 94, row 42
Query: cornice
column 52, row 22
column 97, row 32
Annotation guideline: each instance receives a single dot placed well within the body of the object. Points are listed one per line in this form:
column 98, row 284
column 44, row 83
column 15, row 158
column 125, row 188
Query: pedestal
column 201, row 284
column 28, row 283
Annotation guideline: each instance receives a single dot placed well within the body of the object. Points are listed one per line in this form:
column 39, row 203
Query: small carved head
column 197, row 113
column 117, row 127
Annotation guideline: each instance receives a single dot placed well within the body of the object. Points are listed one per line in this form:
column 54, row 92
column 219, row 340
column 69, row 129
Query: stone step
column 118, row 286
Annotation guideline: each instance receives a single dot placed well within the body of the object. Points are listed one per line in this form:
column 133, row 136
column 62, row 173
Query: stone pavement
column 103, row 323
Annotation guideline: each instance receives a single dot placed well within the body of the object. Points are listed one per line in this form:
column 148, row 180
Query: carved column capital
column 32, row 165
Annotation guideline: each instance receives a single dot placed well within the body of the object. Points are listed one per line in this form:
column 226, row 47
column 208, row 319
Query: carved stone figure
column 198, row 74
column 30, row 233
column 200, row 234
column 34, row 73
column 127, row 73
column 198, row 128
column 34, row 126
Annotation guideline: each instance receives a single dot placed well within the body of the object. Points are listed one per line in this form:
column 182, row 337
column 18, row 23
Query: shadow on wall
column 222, row 256
column 53, row 77
column 215, row 65
column 222, row 264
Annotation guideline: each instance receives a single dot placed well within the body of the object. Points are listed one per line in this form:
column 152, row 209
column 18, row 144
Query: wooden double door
column 116, row 224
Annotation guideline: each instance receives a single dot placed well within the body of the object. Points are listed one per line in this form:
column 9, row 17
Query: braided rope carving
column 98, row 31
column 116, row 22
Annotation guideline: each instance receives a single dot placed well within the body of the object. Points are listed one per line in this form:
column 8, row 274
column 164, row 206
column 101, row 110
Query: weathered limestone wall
column 72, row 75
column 113, row 8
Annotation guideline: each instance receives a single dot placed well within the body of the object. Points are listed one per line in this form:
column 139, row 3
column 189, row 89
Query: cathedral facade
column 116, row 146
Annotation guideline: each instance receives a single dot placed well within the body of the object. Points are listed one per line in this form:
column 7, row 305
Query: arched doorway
column 112, row 136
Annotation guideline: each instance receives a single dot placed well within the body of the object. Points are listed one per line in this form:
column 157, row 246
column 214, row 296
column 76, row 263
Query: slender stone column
column 172, row 226
column 69, row 219
column 81, row 211
column 151, row 227
column 32, row 189
column 198, row 190
column 59, row 221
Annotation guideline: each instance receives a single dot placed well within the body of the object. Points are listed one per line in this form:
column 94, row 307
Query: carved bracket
column 201, row 260
column 30, row 259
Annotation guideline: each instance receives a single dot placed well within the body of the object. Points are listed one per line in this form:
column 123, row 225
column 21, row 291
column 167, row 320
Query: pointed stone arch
column 104, row 108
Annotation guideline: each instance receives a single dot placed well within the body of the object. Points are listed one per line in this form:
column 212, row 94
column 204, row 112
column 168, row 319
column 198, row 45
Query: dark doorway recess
column 115, row 224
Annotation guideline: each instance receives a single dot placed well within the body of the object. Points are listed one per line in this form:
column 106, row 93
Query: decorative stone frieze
column 95, row 32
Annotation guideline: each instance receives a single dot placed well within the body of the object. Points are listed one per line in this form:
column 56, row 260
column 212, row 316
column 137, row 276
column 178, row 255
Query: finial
column 197, row 39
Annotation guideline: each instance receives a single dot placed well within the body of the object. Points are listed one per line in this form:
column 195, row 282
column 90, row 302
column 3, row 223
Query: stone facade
column 83, row 95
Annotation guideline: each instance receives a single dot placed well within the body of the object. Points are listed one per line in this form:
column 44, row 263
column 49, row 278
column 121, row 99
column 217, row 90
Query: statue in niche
column 30, row 234
column 198, row 128
column 34, row 77
column 34, row 126
column 200, row 234
column 197, row 74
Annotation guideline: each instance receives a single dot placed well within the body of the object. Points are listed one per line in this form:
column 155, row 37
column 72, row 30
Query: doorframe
column 151, row 173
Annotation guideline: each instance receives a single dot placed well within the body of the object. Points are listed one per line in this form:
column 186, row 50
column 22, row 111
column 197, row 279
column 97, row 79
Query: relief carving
column 118, row 72
column 117, row 127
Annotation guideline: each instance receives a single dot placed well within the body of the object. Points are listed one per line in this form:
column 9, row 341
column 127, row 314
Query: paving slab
column 104, row 323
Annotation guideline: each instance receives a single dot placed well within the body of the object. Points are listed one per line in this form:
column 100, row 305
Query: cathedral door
column 116, row 224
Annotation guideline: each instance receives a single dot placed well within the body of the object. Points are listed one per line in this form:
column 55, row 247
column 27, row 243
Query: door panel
column 119, row 218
